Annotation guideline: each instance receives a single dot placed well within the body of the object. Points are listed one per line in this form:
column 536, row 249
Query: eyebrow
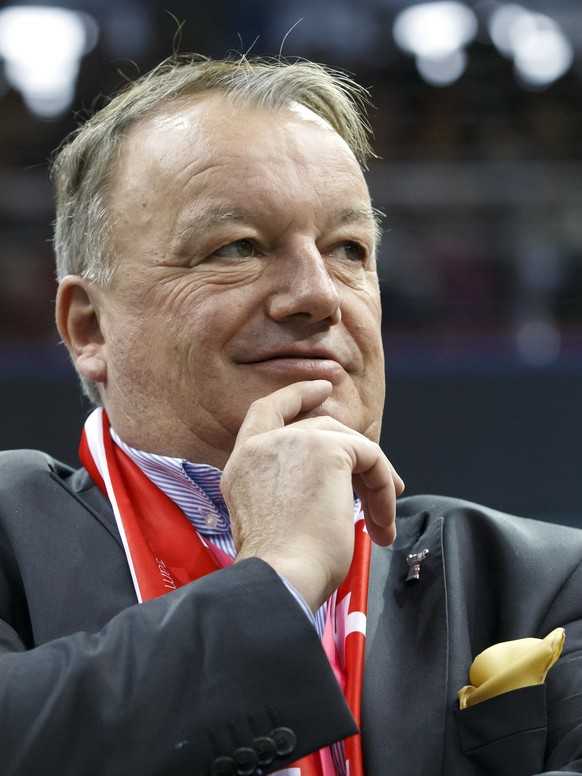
column 206, row 220
column 224, row 215
column 213, row 216
column 365, row 216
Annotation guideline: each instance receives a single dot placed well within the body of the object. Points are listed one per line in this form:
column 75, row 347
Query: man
column 218, row 295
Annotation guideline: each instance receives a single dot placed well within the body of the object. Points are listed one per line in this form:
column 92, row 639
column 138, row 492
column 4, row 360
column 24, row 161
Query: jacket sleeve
column 190, row 683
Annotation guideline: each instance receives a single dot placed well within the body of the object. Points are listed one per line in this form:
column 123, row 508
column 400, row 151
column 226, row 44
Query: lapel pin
column 414, row 561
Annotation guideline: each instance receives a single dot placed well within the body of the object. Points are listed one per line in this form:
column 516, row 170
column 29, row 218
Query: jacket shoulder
column 18, row 467
column 484, row 524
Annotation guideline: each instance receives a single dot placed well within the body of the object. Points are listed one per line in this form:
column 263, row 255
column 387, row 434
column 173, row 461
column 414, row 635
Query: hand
column 289, row 489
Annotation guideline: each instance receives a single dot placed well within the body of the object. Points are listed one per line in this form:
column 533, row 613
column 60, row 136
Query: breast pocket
column 506, row 734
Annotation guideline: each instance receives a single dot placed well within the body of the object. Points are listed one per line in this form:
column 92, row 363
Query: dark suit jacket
column 91, row 683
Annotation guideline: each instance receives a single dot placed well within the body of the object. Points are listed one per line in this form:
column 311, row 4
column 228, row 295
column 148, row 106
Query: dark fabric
column 91, row 683
column 488, row 577
column 513, row 722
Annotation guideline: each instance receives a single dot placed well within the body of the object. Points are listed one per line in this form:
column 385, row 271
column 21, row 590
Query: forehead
column 211, row 153
column 209, row 127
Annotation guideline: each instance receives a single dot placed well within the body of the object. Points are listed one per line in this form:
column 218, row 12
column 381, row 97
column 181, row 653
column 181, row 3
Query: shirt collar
column 193, row 487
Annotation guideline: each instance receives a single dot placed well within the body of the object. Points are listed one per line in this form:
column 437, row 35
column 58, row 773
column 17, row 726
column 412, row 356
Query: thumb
column 282, row 406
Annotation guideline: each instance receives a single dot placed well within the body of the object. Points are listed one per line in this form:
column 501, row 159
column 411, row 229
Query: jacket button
column 245, row 761
column 223, row 766
column 285, row 740
column 265, row 748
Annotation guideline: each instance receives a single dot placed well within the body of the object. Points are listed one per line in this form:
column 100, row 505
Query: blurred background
column 478, row 127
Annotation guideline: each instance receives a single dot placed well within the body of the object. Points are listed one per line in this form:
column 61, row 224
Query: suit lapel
column 406, row 663
column 82, row 488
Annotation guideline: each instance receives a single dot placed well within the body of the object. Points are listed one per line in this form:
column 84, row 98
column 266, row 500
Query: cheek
column 218, row 315
column 141, row 336
column 194, row 330
column 363, row 318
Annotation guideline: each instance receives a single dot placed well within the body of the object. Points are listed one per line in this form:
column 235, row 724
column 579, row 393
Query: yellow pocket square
column 511, row 665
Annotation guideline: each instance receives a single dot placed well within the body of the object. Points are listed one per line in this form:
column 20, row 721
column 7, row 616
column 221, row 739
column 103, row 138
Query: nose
column 303, row 288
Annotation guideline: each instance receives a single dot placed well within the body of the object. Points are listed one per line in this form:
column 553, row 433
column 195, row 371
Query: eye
column 239, row 249
column 351, row 251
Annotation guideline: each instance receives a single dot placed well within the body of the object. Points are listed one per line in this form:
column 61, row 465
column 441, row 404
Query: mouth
column 294, row 355
column 294, row 365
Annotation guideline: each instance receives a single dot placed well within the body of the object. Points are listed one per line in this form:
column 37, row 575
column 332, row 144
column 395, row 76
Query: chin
column 334, row 409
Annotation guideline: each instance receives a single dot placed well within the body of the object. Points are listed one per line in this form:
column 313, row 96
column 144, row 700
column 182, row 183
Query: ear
column 78, row 322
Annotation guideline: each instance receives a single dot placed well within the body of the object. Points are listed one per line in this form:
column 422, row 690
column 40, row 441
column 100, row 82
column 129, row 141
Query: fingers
column 379, row 508
column 377, row 485
column 280, row 407
column 373, row 477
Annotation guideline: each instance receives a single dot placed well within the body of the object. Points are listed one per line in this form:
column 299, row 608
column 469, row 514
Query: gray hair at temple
column 82, row 167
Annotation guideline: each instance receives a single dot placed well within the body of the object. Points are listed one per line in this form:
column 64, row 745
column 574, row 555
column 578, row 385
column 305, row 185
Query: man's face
column 245, row 241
